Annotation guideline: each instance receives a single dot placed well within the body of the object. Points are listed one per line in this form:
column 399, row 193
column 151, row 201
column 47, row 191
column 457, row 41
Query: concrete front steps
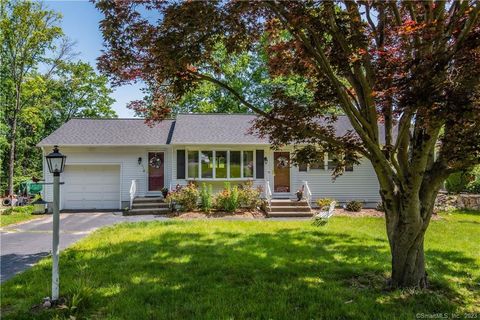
column 289, row 208
column 148, row 205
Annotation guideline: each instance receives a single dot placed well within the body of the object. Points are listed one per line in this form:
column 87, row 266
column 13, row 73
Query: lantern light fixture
column 55, row 161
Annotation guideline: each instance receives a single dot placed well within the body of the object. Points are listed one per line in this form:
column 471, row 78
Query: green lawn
column 15, row 215
column 258, row 269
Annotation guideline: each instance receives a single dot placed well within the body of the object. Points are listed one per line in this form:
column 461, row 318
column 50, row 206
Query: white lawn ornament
column 321, row 217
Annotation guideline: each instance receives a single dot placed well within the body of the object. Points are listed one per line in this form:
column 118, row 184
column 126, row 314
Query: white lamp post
column 56, row 163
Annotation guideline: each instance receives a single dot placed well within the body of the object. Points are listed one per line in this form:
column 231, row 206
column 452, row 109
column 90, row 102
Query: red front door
column 156, row 177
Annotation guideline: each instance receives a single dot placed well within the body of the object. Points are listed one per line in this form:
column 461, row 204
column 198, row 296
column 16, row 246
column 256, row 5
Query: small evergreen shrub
column 473, row 185
column 227, row 200
column 206, row 199
column 354, row 206
column 456, row 182
column 323, row 202
column 186, row 197
column 248, row 196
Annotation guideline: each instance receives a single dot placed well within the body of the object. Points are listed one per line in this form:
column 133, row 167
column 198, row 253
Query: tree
column 77, row 91
column 245, row 72
column 29, row 34
column 405, row 73
column 40, row 89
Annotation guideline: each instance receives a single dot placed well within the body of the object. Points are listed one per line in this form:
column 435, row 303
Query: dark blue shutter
column 180, row 164
column 260, row 169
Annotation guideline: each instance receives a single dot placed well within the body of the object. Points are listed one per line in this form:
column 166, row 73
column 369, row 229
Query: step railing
column 268, row 193
column 133, row 192
column 307, row 193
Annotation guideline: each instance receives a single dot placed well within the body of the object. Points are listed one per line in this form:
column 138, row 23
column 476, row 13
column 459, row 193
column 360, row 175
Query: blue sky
column 80, row 24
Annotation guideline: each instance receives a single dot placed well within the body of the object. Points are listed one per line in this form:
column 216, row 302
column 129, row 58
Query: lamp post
column 56, row 163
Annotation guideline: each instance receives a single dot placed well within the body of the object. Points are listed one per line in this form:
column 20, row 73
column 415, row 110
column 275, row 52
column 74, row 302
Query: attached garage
column 91, row 187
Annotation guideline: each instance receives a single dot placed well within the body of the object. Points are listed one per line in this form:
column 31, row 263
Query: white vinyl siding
column 125, row 157
column 360, row 184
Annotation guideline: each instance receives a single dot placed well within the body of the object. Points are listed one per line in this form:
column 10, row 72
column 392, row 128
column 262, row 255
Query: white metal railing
column 268, row 193
column 133, row 192
column 307, row 192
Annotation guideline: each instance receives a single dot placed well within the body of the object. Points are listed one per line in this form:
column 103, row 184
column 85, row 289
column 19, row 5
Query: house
column 110, row 161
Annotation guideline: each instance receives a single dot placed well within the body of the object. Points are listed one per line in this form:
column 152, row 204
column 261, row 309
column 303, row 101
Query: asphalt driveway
column 22, row 245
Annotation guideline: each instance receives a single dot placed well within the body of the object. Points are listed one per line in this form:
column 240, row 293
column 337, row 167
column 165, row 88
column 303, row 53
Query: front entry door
column 281, row 171
column 156, row 177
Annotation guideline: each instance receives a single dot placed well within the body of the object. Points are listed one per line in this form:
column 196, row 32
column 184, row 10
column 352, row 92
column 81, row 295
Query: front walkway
column 24, row 244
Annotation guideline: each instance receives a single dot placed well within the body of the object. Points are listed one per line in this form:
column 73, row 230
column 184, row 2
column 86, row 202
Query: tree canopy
column 40, row 87
column 406, row 74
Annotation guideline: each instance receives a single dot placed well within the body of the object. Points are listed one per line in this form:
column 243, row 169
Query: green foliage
column 456, row 182
column 35, row 59
column 323, row 202
column 228, row 199
column 16, row 214
column 474, row 185
column 206, row 199
column 186, row 197
column 319, row 221
column 354, row 206
column 249, row 196
column 245, row 72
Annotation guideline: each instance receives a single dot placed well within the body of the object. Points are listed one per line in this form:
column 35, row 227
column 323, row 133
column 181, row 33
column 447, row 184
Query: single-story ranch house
column 109, row 161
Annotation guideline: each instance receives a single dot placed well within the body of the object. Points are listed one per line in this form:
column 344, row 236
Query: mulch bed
column 240, row 214
column 368, row 213
column 257, row 214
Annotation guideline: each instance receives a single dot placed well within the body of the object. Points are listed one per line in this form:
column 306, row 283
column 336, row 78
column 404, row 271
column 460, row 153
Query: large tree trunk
column 406, row 232
column 408, row 260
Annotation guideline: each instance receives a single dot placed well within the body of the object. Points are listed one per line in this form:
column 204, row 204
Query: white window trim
column 214, row 171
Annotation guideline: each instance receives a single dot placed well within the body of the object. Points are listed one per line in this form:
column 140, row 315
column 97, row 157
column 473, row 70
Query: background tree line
column 42, row 85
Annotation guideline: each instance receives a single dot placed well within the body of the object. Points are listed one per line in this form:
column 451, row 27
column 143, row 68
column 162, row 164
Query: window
column 192, row 171
column 319, row 164
column 235, row 164
column 207, row 163
column 332, row 163
column 220, row 164
column 248, row 164
column 302, row 167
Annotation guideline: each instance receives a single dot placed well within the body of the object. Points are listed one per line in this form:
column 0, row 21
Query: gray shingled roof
column 109, row 132
column 185, row 129
column 215, row 129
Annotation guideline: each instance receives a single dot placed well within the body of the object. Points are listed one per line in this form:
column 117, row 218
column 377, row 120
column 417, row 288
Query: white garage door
column 91, row 187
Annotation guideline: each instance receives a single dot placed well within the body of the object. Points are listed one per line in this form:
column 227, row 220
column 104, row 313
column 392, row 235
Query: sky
column 81, row 24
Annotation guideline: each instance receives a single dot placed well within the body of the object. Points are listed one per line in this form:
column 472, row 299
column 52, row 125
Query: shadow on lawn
column 288, row 274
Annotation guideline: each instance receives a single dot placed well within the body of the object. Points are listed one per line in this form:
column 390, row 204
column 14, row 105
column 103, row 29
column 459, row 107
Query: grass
column 252, row 269
column 16, row 214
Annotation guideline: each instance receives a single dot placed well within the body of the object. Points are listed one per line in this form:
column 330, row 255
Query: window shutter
column 180, row 164
column 260, row 169
column 302, row 167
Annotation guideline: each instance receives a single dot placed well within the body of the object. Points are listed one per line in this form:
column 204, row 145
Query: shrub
column 206, row 199
column 21, row 209
column 248, row 196
column 474, row 185
column 323, row 202
column 186, row 197
column 354, row 206
column 227, row 200
column 456, row 182
column 380, row 206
